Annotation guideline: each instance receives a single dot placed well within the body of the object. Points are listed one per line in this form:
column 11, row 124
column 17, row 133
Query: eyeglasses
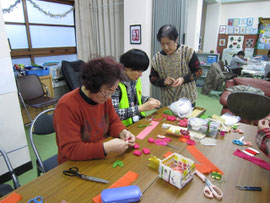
column 106, row 95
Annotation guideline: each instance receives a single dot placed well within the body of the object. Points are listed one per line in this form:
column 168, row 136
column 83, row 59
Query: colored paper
column 146, row 151
column 168, row 153
column 13, row 197
column 253, row 159
column 147, row 130
column 137, row 153
column 125, row 180
column 205, row 165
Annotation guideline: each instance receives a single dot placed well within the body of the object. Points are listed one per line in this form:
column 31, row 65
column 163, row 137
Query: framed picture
column 248, row 30
column 242, row 21
column 242, row 30
column 222, row 29
column 236, row 30
column 230, row 21
column 230, row 29
column 236, row 21
column 222, row 42
column 135, row 34
column 250, row 21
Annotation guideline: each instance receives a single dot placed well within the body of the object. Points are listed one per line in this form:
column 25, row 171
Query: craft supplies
column 216, row 175
column 38, row 199
column 241, row 142
column 198, row 125
column 210, row 191
column 250, row 188
column 130, row 193
column 13, row 197
column 222, row 132
column 162, row 142
column 147, row 130
column 253, row 159
column 161, row 136
column 177, row 170
column 136, row 146
column 183, row 122
column 154, row 162
column 146, row 151
column 168, row 112
column 250, row 151
column 137, row 152
column 182, row 108
column 151, row 140
column 208, row 141
column 205, row 165
column 125, row 180
column 118, row 163
column 213, row 128
column 143, row 126
column 230, row 119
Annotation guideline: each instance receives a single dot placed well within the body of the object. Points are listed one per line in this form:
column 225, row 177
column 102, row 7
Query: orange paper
column 12, row 198
column 125, row 180
column 168, row 153
column 205, row 165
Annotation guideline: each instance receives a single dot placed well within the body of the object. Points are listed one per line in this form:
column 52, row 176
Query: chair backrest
column 41, row 125
column 72, row 73
column 9, row 166
column 30, row 86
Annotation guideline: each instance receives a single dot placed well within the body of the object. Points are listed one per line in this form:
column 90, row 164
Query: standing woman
column 175, row 68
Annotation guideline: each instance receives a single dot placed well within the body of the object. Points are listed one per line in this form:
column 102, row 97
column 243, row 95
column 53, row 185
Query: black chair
column 32, row 93
column 43, row 125
column 5, row 188
column 72, row 73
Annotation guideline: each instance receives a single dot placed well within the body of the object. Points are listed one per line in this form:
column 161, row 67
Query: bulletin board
column 263, row 37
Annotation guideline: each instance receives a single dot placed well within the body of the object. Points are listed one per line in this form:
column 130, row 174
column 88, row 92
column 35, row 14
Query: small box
column 177, row 170
column 37, row 71
column 55, row 69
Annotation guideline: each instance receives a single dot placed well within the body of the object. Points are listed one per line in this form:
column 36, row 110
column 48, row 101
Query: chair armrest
column 223, row 98
column 47, row 91
column 230, row 83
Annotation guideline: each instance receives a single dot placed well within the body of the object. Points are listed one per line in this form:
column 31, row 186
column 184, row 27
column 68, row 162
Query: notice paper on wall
column 7, row 80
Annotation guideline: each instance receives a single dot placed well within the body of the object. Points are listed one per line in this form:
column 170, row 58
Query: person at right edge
column 175, row 68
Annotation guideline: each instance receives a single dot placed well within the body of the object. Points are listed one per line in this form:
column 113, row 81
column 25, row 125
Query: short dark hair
column 168, row 31
column 101, row 71
column 135, row 59
column 241, row 53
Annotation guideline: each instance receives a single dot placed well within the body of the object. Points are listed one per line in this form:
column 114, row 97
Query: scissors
column 210, row 190
column 239, row 142
column 37, row 199
column 161, row 142
column 74, row 171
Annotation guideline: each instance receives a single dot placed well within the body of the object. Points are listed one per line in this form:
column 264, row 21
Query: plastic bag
column 182, row 108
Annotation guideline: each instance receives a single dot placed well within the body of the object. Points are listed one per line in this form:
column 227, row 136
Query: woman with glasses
column 175, row 68
column 128, row 101
column 85, row 117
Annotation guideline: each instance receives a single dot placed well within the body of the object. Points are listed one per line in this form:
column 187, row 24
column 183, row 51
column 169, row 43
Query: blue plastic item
column 125, row 194
column 37, row 71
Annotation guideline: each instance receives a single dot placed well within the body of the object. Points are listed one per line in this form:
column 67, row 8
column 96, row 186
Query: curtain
column 168, row 12
column 99, row 28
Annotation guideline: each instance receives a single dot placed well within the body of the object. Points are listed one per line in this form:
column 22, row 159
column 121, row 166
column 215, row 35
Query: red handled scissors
column 210, row 190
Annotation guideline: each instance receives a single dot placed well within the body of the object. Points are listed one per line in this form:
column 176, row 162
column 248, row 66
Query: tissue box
column 177, row 170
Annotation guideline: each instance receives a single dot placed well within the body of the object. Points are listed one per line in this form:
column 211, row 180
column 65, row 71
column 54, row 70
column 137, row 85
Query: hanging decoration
column 48, row 13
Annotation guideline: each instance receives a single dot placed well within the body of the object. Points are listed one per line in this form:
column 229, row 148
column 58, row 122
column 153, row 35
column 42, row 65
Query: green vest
column 124, row 103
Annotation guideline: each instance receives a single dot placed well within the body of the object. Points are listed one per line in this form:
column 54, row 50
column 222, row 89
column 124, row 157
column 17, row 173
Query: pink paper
column 151, row 140
column 191, row 142
column 147, row 130
column 137, row 153
column 167, row 139
column 146, row 151
column 136, row 146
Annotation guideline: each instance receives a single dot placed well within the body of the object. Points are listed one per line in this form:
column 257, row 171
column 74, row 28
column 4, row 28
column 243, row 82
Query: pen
column 251, row 188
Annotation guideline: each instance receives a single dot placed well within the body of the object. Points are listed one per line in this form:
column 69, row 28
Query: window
column 35, row 33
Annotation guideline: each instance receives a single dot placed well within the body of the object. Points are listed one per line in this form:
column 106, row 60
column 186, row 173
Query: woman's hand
column 178, row 82
column 169, row 81
column 264, row 123
column 149, row 105
column 128, row 137
column 115, row 145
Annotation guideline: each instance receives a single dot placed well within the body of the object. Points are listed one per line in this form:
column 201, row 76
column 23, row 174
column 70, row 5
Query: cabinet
column 46, row 80
column 206, row 60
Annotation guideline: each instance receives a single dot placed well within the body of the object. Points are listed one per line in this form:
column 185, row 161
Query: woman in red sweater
column 84, row 117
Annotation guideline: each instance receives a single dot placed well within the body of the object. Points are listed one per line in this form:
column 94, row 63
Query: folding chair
column 5, row 188
column 32, row 94
column 43, row 125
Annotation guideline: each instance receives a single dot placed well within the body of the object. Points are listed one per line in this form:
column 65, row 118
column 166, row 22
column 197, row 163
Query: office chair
column 32, row 94
column 5, row 188
column 43, row 125
column 72, row 73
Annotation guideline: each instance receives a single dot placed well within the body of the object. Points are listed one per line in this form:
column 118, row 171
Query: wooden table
column 54, row 186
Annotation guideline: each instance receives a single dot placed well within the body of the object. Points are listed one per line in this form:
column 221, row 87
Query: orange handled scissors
column 210, row 190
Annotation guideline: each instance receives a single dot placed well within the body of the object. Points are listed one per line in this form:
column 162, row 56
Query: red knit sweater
column 80, row 127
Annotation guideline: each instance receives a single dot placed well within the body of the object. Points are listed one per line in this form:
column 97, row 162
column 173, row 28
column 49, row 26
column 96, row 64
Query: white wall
column 139, row 12
column 12, row 134
column 211, row 27
column 194, row 23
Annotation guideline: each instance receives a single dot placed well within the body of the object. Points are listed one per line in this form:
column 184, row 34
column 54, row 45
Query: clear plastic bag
column 182, row 108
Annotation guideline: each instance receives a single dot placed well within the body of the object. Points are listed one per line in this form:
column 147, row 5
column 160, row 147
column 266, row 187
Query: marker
column 249, row 188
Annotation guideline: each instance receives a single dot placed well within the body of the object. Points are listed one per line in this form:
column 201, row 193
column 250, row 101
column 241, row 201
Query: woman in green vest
column 175, row 68
column 128, row 101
